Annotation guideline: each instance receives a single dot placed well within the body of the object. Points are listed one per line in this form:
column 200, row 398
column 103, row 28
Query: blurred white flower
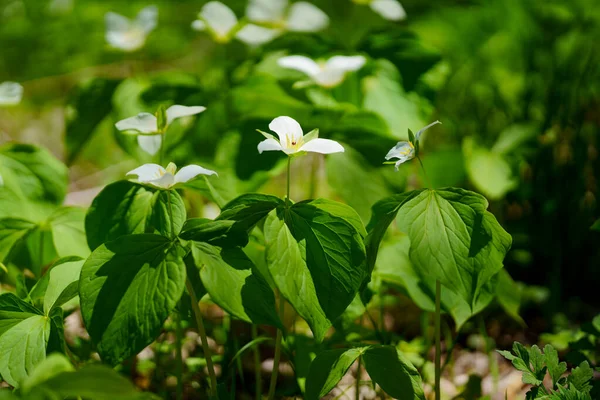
column 277, row 16
column 127, row 35
column 292, row 139
column 165, row 178
column 328, row 73
column 404, row 150
column 10, row 93
column 1, row 181
column 389, row 9
column 145, row 126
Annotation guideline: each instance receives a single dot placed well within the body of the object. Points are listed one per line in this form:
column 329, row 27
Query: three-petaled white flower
column 389, row 9
column 278, row 16
column 127, row 35
column 145, row 125
column 10, row 93
column 292, row 139
column 405, row 151
column 166, row 178
column 328, row 73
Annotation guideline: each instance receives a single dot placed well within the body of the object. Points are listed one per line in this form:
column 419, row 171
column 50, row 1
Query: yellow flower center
column 290, row 143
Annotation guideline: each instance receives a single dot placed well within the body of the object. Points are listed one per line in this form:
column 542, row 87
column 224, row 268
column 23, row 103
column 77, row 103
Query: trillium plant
column 167, row 178
column 130, row 35
column 328, row 74
column 151, row 128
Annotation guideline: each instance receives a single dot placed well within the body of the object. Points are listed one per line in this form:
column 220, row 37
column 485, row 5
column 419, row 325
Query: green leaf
column 121, row 208
column 219, row 233
column 161, row 117
column 22, row 347
column 489, row 171
column 508, row 294
column 327, row 369
column 453, row 237
column 63, row 282
column 596, row 226
column 411, row 136
column 159, row 219
column 68, row 232
column 248, row 209
column 537, row 361
column 580, row 377
column 55, row 364
column 393, row 372
column 14, row 310
column 555, row 368
column 33, row 171
column 232, row 282
column 128, row 288
column 12, row 231
column 285, row 259
column 90, row 104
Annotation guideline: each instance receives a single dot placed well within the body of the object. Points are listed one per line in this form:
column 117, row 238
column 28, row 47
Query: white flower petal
column 148, row 172
column 143, row 122
column 10, row 93
column 189, row 172
column 323, row 146
column 266, row 10
column 269, row 145
column 389, row 9
column 306, row 17
column 420, row 131
column 346, row 63
column 150, row 144
column 300, row 63
column 219, row 17
column 147, row 19
column 288, row 129
column 198, row 25
column 178, row 111
column 400, row 161
column 255, row 35
column 127, row 41
column 116, row 22
column 401, row 150
column 329, row 77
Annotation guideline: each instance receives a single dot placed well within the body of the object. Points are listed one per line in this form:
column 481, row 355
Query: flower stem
column 357, row 389
column 289, row 167
column 277, row 356
column 161, row 154
column 202, row 333
column 438, row 344
column 314, row 176
column 257, row 369
column 179, row 355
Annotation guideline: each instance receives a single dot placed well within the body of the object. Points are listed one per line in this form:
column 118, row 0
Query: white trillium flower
column 166, row 178
column 145, row 125
column 404, row 150
column 127, row 35
column 389, row 9
column 278, row 16
column 10, row 93
column 327, row 74
column 292, row 139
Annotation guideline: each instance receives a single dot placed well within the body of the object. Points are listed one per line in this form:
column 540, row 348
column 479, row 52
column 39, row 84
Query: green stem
column 202, row 333
column 289, row 167
column 277, row 356
column 171, row 215
column 161, row 154
column 357, row 390
column 257, row 369
column 179, row 355
column 438, row 344
column 314, row 177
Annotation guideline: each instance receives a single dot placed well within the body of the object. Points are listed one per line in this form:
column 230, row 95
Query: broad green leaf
column 285, row 259
column 581, row 376
column 511, row 138
column 596, row 226
column 537, row 361
column 22, row 347
column 127, row 289
column 219, row 233
column 94, row 382
column 68, row 232
column 344, row 170
column 508, row 294
column 53, row 365
column 90, row 104
column 327, row 369
column 453, row 237
column 63, row 283
column 14, row 310
column 393, row 372
column 121, row 208
column 489, row 171
column 167, row 214
column 555, row 368
column 38, row 175
column 12, row 230
column 248, row 209
column 232, row 282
